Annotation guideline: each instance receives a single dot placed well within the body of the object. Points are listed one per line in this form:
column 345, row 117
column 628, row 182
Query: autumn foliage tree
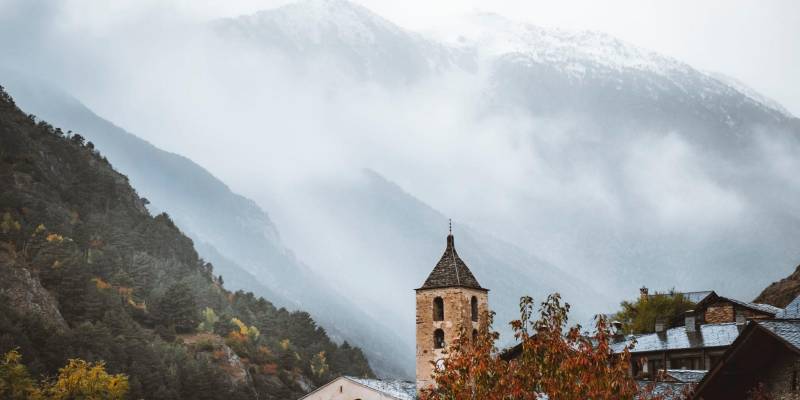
column 77, row 380
column 551, row 359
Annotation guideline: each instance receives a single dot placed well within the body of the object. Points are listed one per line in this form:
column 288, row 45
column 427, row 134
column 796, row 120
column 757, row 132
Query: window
column 438, row 339
column 474, row 307
column 474, row 335
column 438, row 309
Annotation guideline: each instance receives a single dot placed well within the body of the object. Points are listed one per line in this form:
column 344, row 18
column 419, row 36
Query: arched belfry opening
column 438, row 339
column 438, row 309
column 449, row 301
column 473, row 308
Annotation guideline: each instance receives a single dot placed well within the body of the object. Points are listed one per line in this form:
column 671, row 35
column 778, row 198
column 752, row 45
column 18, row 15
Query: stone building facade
column 767, row 353
column 716, row 309
column 451, row 301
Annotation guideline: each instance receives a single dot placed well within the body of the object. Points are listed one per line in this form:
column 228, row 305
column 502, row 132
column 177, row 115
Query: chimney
column 661, row 325
column 643, row 292
column 616, row 331
column 741, row 321
column 691, row 321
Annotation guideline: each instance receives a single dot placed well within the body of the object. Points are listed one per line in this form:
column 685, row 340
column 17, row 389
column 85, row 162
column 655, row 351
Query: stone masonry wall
column 457, row 313
column 778, row 377
column 719, row 313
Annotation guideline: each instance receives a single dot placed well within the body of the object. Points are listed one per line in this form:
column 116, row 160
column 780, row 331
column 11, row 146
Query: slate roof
column 708, row 335
column 401, row 390
column 686, row 375
column 451, row 271
column 767, row 308
column 792, row 310
column 666, row 390
column 694, row 297
column 788, row 330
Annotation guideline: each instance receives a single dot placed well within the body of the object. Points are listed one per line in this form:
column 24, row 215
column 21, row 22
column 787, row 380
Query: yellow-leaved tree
column 15, row 381
column 90, row 381
column 77, row 380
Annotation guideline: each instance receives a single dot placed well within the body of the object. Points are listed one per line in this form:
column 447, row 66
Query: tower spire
column 450, row 222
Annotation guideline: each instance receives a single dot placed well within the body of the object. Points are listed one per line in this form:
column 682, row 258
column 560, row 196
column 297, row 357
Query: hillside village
column 722, row 348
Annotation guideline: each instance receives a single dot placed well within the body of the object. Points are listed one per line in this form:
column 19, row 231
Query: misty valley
column 312, row 201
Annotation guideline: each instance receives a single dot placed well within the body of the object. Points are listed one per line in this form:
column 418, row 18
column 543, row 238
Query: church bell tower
column 451, row 298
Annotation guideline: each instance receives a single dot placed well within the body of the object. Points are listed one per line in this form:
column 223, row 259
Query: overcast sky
column 753, row 41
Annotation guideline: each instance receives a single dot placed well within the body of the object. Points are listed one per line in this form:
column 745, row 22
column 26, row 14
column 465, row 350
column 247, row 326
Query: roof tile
column 451, row 271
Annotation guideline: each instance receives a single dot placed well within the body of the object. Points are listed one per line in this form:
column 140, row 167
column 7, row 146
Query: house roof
column 451, row 271
column 758, row 307
column 694, row 297
column 757, row 347
column 708, row 335
column 395, row 389
column 686, row 375
column 401, row 390
column 663, row 390
column 792, row 310
column 766, row 308
column 788, row 330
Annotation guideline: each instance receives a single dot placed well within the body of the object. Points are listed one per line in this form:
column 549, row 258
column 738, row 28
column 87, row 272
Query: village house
column 741, row 343
column 765, row 357
column 696, row 344
column 352, row 388
column 449, row 301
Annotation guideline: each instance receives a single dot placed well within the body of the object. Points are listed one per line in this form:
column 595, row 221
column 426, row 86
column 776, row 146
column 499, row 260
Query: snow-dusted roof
column 687, row 375
column 401, row 390
column 709, row 335
column 788, row 330
column 792, row 310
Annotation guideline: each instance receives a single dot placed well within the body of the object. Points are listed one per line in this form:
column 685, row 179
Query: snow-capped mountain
column 338, row 35
column 590, row 96
column 585, row 69
column 542, row 70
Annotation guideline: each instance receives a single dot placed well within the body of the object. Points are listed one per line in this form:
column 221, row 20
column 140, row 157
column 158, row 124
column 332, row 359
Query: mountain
column 87, row 272
column 389, row 241
column 547, row 71
column 230, row 231
column 782, row 292
column 343, row 39
column 631, row 167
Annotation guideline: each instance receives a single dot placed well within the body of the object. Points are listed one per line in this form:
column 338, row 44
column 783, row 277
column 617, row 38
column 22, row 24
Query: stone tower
column 449, row 299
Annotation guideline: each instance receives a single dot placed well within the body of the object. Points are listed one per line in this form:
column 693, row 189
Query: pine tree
column 177, row 308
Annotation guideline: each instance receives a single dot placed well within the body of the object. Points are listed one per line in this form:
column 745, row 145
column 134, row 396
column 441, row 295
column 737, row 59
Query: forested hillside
column 86, row 272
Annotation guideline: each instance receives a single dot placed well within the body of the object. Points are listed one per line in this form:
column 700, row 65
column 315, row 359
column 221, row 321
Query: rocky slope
column 782, row 292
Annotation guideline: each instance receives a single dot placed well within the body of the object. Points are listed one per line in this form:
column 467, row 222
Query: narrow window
column 438, row 339
column 474, row 307
column 474, row 335
column 438, row 309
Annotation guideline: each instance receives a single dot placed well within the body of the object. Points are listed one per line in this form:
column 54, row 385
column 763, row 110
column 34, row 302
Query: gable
column 346, row 388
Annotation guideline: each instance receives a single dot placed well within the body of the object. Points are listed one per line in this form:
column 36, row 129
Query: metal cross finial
column 451, row 225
